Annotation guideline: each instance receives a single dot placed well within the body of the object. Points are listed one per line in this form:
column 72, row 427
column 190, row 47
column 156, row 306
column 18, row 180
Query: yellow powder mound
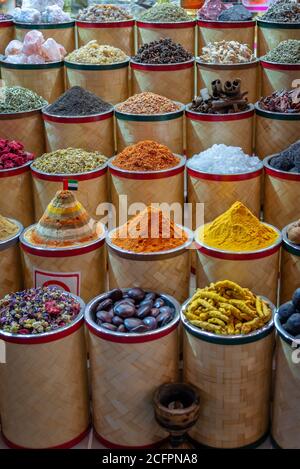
column 7, row 228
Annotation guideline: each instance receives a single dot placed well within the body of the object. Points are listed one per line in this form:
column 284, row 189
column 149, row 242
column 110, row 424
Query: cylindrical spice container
column 166, row 129
column 122, row 407
column 11, row 279
column 181, row 32
column 165, row 270
column 48, row 405
column 285, row 409
column 270, row 34
column 277, row 76
column 16, row 194
column 290, row 267
column 6, row 34
column 204, row 130
column 281, row 195
column 118, row 34
column 216, row 31
column 27, row 127
column 47, row 80
column 233, row 376
column 248, row 73
column 274, row 131
column 174, row 81
column 62, row 33
column 92, row 133
column 109, row 81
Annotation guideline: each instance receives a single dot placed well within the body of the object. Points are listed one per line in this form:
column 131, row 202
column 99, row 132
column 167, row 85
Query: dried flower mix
column 147, row 103
column 7, row 228
column 165, row 13
column 94, row 53
column 77, row 101
column 103, row 13
column 69, row 161
column 287, row 160
column 283, row 11
column 226, row 52
column 286, row 52
column 211, row 10
column 17, row 99
column 12, row 154
column 164, row 51
column 284, row 101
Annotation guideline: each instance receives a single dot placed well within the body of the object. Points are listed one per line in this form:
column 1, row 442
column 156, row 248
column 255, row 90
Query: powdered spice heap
column 7, row 228
column 146, row 156
column 149, row 231
column 147, row 103
column 78, row 102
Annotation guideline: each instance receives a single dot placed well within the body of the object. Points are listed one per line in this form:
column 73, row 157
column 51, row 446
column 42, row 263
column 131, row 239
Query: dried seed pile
column 69, row 161
column 78, row 102
column 94, row 53
column 286, row 52
column 103, row 13
column 164, row 51
column 288, row 159
column 17, row 99
column 165, row 13
column 147, row 103
column 226, row 52
column 283, row 11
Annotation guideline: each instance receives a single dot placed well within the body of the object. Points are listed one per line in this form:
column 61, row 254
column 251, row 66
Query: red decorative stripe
column 115, row 24
column 226, row 24
column 61, row 178
column 67, row 445
column 162, row 68
column 77, row 120
column 278, row 66
column 180, row 25
column 237, row 256
column 138, row 339
column 219, row 117
column 110, row 445
column 146, row 176
column 6, row 24
column 40, row 339
column 224, row 177
column 62, row 252
column 14, row 171
column 282, row 175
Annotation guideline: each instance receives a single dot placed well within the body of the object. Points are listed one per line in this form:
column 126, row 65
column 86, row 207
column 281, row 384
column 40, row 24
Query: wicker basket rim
column 67, row 175
column 261, row 59
column 43, row 25
column 181, row 163
column 279, row 23
column 17, row 167
column 182, row 108
column 12, row 240
column 286, row 240
column 85, row 64
column 104, row 22
column 279, row 171
column 289, row 339
column 19, row 114
column 288, row 115
column 223, row 66
column 189, row 21
column 192, row 60
column 227, row 21
column 44, row 111
column 250, row 108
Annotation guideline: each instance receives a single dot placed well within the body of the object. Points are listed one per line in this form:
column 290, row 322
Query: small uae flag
column 70, row 185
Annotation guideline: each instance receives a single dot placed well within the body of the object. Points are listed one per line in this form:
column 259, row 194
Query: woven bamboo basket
column 270, row 34
column 174, row 81
column 47, row 80
column 78, row 270
column 182, row 32
column 117, row 34
column 247, row 72
column 256, row 270
column 110, row 82
column 26, row 127
column 92, row 133
column 92, row 189
column 276, row 76
column 125, row 372
column 6, row 34
column 204, row 130
column 16, row 194
column 281, row 195
column 44, row 392
column 166, row 129
column 233, row 376
column 62, row 33
column 290, row 268
column 167, row 271
column 147, row 187
column 215, row 31
column 11, row 279
column 275, row 131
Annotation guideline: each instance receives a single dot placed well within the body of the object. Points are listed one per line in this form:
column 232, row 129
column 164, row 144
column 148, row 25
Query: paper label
column 68, row 281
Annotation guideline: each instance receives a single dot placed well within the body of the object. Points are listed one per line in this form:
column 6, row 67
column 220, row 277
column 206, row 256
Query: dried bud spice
column 286, row 101
column 147, row 103
column 283, row 11
column 286, row 52
column 69, row 161
column 103, row 13
column 17, row 99
column 146, row 156
column 94, row 53
column 226, row 52
column 12, row 154
column 165, row 13
column 288, row 159
column 164, row 51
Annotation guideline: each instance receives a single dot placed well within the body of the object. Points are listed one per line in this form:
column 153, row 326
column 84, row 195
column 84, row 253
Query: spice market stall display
column 237, row 246
column 134, row 333
column 223, row 116
column 6, row 31
column 167, row 20
column 148, row 116
column 101, row 69
column 229, row 340
column 165, row 68
column 43, row 355
column 226, row 61
column 282, row 186
column 277, row 121
column 152, row 252
column 65, row 248
column 107, row 24
column 10, row 259
column 80, row 119
column 147, row 173
column 290, row 261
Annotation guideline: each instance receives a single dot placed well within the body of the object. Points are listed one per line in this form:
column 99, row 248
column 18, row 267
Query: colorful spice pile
column 164, row 51
column 5, row 17
column 64, row 223
column 12, row 154
column 17, row 99
column 69, row 161
column 211, row 10
column 93, row 53
column 226, row 52
column 34, row 50
column 226, row 308
column 288, row 159
column 78, row 102
column 293, row 232
column 283, row 11
column 7, row 228
column 37, row 310
column 133, row 311
column 45, row 11
column 103, row 13
column 146, row 156
column 286, row 52
column 285, row 101
column 216, row 10
column 225, row 99
column 223, row 159
column 147, row 103
column 289, row 315
column 149, row 231
column 237, row 229
column 165, row 13
column 235, row 13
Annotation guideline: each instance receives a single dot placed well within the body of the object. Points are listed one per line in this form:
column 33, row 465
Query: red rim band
column 282, row 175
column 224, row 177
column 116, row 24
column 161, row 68
column 220, row 118
column 63, row 252
column 110, row 445
column 237, row 256
column 77, row 120
column 61, row 178
column 14, row 171
column 146, row 176
column 226, row 24
column 180, row 25
column 6, row 24
column 277, row 66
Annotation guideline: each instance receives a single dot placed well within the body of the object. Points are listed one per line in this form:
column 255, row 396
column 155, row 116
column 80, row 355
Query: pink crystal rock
column 17, row 59
column 33, row 41
column 211, row 9
column 14, row 47
column 52, row 52
column 35, row 59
